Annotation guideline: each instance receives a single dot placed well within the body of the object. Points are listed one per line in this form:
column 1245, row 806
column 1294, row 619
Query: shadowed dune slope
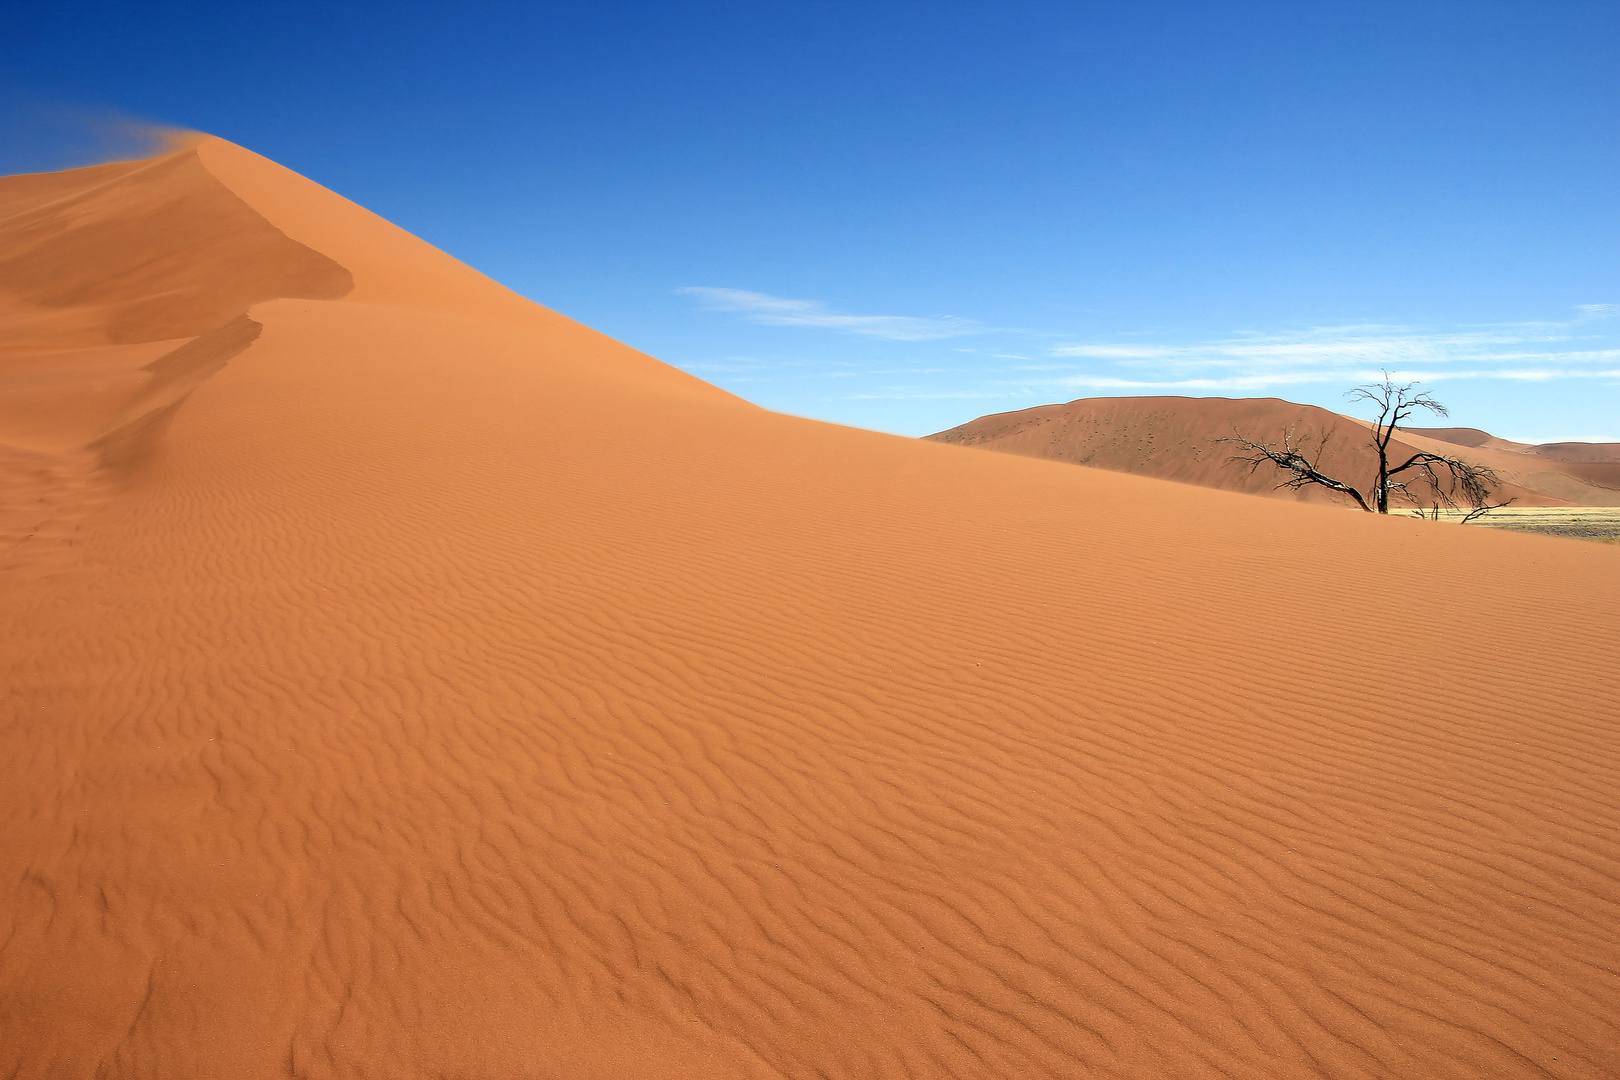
column 445, row 690
column 140, row 252
column 1178, row 438
column 1585, row 474
column 1467, row 436
column 1607, row 453
column 1547, row 465
column 1579, row 452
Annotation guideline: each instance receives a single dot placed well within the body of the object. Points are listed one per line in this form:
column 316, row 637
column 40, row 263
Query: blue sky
column 901, row 216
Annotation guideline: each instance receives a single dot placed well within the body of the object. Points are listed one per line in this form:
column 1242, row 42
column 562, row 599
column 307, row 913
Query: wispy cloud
column 1296, row 378
column 1015, row 368
column 903, row 394
column 1523, row 351
column 1231, row 382
column 781, row 311
column 1120, row 352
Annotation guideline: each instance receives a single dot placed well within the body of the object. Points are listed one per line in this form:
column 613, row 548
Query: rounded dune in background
column 1189, row 440
column 401, row 679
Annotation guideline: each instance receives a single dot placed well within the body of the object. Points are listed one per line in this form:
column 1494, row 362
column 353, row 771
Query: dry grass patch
column 1601, row 523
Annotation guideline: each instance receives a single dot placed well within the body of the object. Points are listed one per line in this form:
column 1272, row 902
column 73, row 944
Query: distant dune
column 402, row 680
column 1559, row 451
column 1177, row 438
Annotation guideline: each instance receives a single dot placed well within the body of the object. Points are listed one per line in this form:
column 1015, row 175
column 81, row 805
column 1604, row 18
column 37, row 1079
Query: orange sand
column 1178, row 438
column 401, row 680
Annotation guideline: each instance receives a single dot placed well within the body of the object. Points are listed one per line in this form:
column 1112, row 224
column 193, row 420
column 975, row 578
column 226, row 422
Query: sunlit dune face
column 399, row 679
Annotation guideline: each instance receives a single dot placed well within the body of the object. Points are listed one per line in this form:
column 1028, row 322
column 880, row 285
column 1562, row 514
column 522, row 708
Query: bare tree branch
column 1483, row 509
column 1445, row 480
column 1292, row 459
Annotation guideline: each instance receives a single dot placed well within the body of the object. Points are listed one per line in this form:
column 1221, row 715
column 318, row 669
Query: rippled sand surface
column 401, row 680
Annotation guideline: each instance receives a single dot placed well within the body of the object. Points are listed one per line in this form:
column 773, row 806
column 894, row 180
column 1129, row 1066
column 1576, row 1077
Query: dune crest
column 407, row 681
column 142, row 251
column 394, row 268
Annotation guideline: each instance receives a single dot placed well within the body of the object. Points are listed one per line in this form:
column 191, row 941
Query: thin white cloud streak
column 1235, row 382
column 1526, row 351
column 942, row 395
column 1432, row 348
column 781, row 311
column 1123, row 352
column 1241, row 364
column 1536, row 440
column 1295, row 378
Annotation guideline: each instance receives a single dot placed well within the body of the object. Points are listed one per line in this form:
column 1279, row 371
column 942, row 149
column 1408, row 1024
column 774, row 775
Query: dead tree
column 1447, row 478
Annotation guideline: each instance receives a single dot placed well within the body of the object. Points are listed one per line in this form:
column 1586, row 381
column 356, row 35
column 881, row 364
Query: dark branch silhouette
column 1293, row 460
column 1445, row 479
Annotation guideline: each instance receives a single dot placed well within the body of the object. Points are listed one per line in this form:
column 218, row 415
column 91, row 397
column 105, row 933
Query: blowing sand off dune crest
column 453, row 691
column 141, row 252
column 171, row 378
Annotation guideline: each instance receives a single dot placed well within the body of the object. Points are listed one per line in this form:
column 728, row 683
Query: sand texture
column 402, row 680
column 1179, row 438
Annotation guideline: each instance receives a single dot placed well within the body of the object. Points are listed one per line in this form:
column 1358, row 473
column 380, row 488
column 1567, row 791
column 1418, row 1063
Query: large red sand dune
column 1181, row 438
column 401, row 680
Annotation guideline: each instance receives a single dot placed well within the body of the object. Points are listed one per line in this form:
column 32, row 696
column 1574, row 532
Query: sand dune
column 1178, row 438
column 402, row 680
column 1559, row 451
column 1561, row 471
